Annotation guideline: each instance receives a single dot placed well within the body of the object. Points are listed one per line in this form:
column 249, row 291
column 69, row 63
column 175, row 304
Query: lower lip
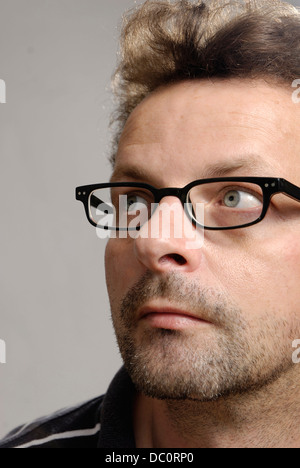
column 172, row 321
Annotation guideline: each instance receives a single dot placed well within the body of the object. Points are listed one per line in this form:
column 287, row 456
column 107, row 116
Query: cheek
column 266, row 278
column 114, row 266
column 287, row 273
column 119, row 267
column 283, row 258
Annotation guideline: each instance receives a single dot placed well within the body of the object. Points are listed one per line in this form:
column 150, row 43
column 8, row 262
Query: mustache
column 206, row 303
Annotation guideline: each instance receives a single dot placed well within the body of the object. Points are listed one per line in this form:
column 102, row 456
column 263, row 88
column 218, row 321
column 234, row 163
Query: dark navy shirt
column 104, row 422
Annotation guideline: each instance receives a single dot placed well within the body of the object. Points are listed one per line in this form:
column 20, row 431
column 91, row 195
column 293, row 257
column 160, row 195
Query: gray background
column 57, row 57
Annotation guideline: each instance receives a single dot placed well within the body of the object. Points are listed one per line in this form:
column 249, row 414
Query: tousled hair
column 165, row 41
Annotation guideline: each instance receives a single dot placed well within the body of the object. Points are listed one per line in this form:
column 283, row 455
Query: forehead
column 188, row 127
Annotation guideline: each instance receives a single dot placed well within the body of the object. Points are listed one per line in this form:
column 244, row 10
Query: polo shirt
column 104, row 422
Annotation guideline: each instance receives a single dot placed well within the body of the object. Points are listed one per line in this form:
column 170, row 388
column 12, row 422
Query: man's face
column 241, row 287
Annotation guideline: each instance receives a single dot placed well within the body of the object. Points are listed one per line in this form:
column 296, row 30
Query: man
column 205, row 321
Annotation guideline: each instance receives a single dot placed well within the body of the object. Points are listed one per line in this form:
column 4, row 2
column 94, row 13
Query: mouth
column 170, row 318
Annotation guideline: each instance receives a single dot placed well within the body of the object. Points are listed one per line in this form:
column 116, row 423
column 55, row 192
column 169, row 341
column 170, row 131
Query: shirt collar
column 117, row 412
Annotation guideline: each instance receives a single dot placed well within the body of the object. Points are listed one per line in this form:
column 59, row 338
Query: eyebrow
column 252, row 163
column 130, row 172
column 255, row 164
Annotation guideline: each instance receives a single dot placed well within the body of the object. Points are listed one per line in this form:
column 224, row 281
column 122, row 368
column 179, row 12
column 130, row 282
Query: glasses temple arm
column 95, row 202
column 290, row 189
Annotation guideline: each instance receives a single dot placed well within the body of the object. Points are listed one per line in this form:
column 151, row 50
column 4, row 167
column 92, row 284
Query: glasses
column 213, row 204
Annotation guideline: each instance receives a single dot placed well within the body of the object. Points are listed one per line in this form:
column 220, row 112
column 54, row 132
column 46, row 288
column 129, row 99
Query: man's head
column 164, row 42
column 243, row 284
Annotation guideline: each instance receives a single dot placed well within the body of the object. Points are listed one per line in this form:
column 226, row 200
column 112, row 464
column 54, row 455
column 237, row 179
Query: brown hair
column 163, row 42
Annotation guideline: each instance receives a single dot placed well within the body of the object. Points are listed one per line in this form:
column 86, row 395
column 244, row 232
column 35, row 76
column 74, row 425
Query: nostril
column 177, row 258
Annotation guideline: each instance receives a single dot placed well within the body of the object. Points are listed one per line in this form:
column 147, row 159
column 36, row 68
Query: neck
column 269, row 418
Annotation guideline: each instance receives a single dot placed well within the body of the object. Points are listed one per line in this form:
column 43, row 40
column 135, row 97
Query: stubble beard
column 202, row 364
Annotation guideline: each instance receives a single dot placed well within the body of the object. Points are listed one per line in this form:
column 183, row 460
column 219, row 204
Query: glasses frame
column 270, row 186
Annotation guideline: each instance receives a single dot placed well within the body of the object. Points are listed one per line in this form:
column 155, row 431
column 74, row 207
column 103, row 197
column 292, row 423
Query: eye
column 241, row 199
column 135, row 202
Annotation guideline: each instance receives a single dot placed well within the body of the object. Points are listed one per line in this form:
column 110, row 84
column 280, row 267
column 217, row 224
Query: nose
column 168, row 240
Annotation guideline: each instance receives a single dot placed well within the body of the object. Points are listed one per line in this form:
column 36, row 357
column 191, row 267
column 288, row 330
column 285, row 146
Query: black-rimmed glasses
column 214, row 204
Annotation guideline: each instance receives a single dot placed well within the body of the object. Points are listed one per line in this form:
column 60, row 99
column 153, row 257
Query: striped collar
column 104, row 422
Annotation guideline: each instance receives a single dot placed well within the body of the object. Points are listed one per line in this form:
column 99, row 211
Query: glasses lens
column 120, row 208
column 225, row 204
